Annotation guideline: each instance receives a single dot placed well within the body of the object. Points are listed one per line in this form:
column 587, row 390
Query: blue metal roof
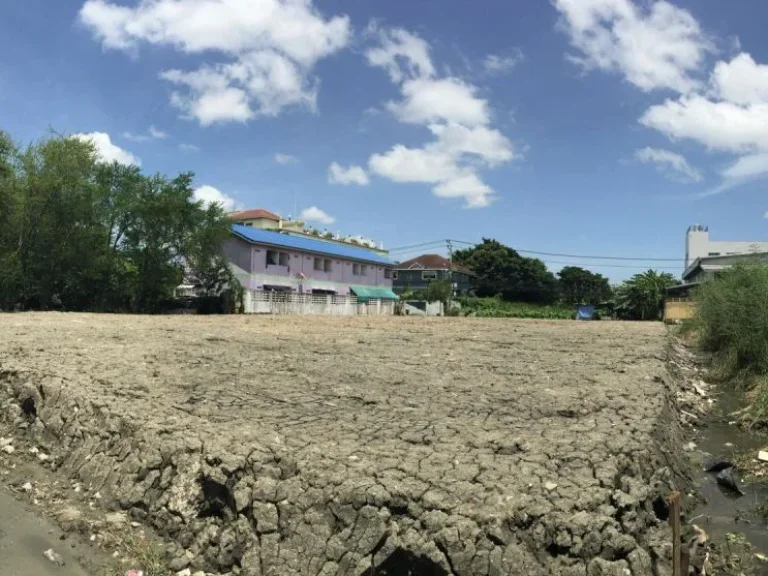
column 278, row 239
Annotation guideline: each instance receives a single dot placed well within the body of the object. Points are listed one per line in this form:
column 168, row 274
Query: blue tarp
column 585, row 312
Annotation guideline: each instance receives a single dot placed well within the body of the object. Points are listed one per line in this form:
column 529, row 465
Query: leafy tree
column 642, row 296
column 80, row 234
column 580, row 286
column 439, row 291
column 502, row 271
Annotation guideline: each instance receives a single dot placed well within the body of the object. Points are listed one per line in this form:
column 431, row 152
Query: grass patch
column 136, row 552
column 732, row 322
column 498, row 308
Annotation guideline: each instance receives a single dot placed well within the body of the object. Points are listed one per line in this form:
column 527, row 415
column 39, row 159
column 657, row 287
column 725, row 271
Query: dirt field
column 311, row 445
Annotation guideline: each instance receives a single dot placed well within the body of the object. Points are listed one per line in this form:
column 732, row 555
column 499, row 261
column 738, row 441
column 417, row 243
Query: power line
column 636, row 258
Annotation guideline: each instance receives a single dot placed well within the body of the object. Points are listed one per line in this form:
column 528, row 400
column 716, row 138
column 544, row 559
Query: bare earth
column 314, row 445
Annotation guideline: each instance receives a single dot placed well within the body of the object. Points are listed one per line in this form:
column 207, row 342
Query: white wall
column 698, row 245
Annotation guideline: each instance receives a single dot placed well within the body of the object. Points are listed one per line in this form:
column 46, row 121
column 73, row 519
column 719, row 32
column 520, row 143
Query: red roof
column 432, row 262
column 253, row 214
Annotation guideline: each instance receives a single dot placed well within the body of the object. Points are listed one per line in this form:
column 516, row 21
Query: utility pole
column 450, row 272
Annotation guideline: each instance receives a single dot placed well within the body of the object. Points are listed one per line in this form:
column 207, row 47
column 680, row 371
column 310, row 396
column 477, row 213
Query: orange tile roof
column 253, row 214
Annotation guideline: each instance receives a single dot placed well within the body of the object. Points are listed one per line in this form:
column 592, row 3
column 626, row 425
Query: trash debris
column 8, row 449
column 27, row 487
column 550, row 486
column 690, row 447
column 729, row 479
column 762, row 456
column 134, row 573
column 53, row 557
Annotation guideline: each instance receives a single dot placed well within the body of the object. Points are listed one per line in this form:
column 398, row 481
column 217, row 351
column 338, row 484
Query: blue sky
column 598, row 127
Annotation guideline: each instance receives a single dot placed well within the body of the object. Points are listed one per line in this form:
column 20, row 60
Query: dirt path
column 24, row 536
column 351, row 446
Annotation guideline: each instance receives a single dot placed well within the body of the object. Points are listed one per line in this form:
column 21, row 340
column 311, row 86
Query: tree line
column 502, row 272
column 80, row 234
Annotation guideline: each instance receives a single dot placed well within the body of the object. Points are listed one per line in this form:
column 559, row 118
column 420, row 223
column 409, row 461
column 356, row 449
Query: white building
column 698, row 245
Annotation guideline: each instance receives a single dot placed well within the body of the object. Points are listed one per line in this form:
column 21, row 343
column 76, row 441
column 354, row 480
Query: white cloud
column 400, row 49
column 337, row 174
column 210, row 195
column 496, row 64
column 451, row 109
column 741, row 81
column 189, row 147
column 152, row 134
column 107, row 151
column 285, row 159
column 673, row 165
column 270, row 46
column 659, row 46
column 315, row 214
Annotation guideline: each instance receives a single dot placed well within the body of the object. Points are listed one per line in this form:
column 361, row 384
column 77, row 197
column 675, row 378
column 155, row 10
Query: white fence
column 267, row 302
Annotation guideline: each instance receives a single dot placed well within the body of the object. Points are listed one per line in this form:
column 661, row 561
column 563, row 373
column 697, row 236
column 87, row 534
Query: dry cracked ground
column 356, row 446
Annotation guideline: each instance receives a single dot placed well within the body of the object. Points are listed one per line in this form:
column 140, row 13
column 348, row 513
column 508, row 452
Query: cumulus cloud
column 259, row 53
column 107, row 151
column 189, row 147
column 285, row 159
column 315, row 214
column 210, row 195
column 671, row 164
column 654, row 46
column 497, row 64
column 152, row 134
column 452, row 110
column 337, row 174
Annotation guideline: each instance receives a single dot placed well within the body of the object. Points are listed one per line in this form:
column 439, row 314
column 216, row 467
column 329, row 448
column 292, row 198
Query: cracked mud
column 354, row 446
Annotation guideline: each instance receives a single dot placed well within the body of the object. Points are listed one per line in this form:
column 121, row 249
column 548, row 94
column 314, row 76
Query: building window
column 272, row 257
column 387, row 273
column 363, row 269
column 714, row 253
column 429, row 275
column 284, row 259
column 326, row 266
column 355, row 269
column 319, row 264
column 393, row 273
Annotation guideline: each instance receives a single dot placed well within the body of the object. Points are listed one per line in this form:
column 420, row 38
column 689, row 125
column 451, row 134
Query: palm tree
column 642, row 296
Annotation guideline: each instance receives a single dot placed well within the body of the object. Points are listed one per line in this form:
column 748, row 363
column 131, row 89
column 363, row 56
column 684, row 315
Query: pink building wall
column 252, row 260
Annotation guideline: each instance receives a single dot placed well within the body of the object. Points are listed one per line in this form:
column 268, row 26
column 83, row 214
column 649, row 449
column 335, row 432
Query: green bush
column 732, row 319
column 498, row 308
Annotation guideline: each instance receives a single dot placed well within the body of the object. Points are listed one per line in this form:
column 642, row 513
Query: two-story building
column 270, row 260
column 416, row 274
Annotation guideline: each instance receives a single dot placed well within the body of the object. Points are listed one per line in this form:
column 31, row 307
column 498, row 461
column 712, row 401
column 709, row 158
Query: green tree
column 580, row 286
column 502, row 271
column 642, row 296
column 80, row 234
column 439, row 291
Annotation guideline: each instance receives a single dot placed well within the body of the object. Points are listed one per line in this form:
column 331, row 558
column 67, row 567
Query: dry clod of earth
column 356, row 446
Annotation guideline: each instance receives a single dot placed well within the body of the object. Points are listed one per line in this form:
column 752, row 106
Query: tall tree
column 642, row 296
column 81, row 234
column 580, row 286
column 502, row 271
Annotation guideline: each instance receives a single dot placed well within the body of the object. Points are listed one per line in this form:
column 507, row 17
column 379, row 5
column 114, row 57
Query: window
column 319, row 264
column 355, row 269
column 326, row 265
column 363, row 269
column 714, row 253
column 394, row 274
column 272, row 257
column 387, row 273
column 284, row 259
column 429, row 275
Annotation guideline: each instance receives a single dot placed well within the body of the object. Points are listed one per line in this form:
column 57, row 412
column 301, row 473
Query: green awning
column 366, row 293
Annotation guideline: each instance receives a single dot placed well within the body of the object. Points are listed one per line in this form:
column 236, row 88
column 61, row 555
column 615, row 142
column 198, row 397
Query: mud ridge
column 515, row 479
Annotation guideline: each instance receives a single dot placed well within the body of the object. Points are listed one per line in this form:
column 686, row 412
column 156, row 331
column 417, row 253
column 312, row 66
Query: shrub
column 732, row 319
column 498, row 308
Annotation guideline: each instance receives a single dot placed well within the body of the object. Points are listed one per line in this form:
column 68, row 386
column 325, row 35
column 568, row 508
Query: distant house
column 274, row 261
column 418, row 272
column 265, row 220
